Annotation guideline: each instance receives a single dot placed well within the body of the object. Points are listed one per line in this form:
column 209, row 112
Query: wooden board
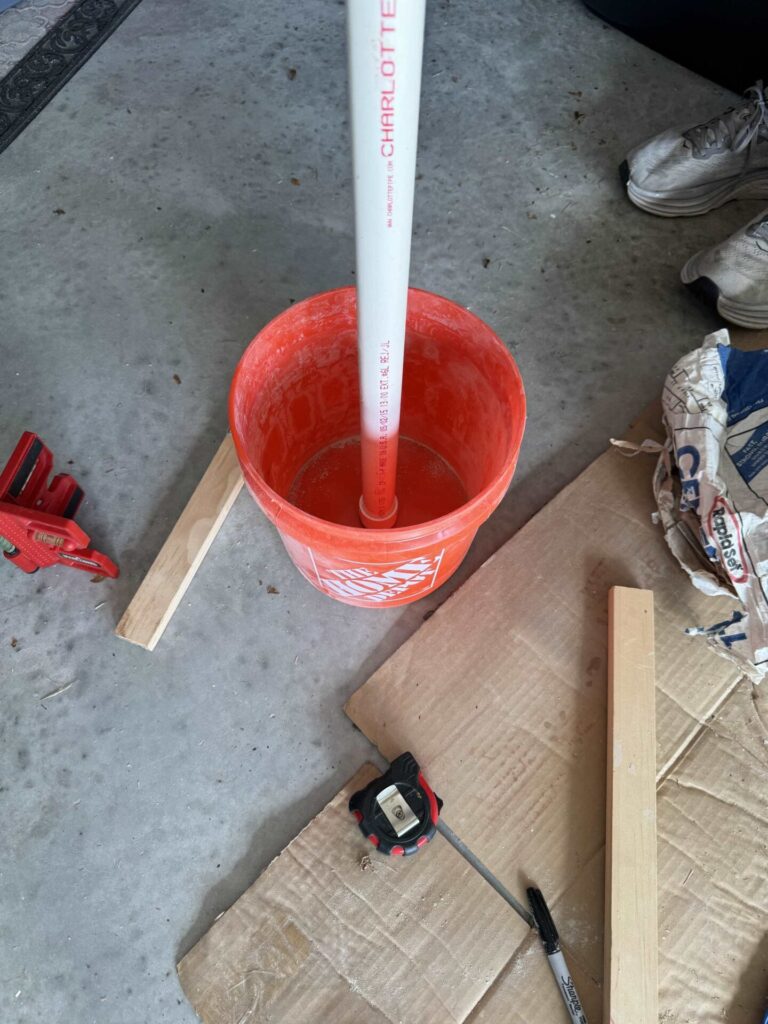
column 153, row 604
column 631, row 981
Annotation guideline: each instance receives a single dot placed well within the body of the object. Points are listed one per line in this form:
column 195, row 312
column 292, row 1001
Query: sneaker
column 734, row 275
column 684, row 173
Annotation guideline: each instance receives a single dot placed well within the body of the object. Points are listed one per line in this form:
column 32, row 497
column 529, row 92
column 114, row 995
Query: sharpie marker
column 551, row 941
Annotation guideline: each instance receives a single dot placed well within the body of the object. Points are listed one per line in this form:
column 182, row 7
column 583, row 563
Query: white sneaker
column 681, row 173
column 734, row 275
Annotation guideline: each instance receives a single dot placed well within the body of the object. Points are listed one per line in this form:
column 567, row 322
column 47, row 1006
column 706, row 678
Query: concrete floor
column 150, row 228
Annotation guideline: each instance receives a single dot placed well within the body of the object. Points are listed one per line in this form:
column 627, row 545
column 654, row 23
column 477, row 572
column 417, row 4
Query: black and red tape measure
column 397, row 812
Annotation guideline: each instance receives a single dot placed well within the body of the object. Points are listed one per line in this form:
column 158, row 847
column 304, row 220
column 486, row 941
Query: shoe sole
column 697, row 201
column 742, row 314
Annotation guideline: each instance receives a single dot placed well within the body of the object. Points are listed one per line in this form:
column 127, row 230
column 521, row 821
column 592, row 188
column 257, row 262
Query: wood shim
column 631, row 988
column 158, row 597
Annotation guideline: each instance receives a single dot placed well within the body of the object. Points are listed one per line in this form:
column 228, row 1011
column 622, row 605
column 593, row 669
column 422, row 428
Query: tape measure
column 397, row 812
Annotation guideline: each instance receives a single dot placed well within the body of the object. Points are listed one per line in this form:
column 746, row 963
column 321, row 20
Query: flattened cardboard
column 511, row 674
column 713, row 870
column 713, row 894
column 525, row 992
column 520, row 713
column 333, row 932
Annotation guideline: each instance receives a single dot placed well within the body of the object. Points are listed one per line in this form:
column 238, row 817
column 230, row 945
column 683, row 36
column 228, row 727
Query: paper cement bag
column 711, row 487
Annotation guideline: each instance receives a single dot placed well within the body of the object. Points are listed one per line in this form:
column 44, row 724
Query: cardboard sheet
column 331, row 932
column 511, row 674
column 713, row 894
column 521, row 715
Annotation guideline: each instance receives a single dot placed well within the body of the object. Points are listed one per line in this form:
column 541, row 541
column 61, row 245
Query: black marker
column 551, row 941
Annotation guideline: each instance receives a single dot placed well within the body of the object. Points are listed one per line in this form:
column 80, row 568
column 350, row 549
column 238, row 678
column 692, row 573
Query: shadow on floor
column 752, row 999
column 250, row 866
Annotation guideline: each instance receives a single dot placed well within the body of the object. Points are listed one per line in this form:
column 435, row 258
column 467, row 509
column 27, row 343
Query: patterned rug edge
column 27, row 89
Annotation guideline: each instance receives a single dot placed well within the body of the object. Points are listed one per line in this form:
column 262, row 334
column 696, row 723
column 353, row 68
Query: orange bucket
column 295, row 419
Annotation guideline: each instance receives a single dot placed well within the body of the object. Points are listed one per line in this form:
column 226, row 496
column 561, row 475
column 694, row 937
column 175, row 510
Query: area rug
column 67, row 33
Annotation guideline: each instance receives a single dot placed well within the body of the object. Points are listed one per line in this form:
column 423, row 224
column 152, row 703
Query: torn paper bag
column 711, row 487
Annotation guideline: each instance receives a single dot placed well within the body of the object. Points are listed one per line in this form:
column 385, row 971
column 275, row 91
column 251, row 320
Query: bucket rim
column 443, row 526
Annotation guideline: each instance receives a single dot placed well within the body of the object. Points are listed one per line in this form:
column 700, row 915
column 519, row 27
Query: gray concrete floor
column 150, row 228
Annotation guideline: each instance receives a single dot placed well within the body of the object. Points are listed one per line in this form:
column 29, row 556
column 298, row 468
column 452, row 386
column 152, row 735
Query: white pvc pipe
column 386, row 41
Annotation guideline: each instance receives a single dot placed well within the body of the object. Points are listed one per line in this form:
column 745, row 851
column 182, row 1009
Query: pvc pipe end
column 377, row 522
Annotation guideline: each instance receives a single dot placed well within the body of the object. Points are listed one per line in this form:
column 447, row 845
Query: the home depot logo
column 725, row 527
column 382, row 583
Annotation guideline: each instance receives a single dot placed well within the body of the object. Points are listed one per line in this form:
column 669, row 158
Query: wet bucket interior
column 297, row 409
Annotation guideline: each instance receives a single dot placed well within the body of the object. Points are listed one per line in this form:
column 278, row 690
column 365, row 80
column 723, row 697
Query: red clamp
column 36, row 518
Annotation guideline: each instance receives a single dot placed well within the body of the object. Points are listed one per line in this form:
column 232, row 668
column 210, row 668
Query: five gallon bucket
column 294, row 413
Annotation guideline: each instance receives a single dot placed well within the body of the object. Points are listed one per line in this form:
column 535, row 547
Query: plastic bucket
column 294, row 415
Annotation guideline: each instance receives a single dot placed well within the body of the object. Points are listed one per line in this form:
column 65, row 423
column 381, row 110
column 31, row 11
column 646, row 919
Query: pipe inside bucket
column 295, row 418
column 385, row 42
column 329, row 485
